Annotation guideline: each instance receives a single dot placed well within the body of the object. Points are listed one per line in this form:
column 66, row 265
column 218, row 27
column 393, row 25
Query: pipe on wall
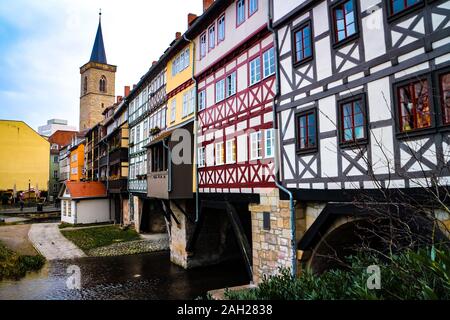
column 277, row 144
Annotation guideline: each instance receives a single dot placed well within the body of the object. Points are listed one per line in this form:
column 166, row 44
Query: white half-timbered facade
column 364, row 94
column 235, row 72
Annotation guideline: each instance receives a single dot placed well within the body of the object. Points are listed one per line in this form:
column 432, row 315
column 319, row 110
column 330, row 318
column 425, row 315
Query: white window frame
column 270, row 60
column 231, row 84
column 203, row 45
column 230, row 151
column 201, row 157
column 219, row 153
column 173, row 110
column 269, row 140
column 253, row 7
column 202, row 100
column 255, row 71
column 221, row 29
column 191, row 105
column 212, row 44
column 184, row 113
column 220, row 90
column 240, row 5
column 256, row 146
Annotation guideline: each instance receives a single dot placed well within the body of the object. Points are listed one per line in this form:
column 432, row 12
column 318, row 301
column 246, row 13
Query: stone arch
column 337, row 243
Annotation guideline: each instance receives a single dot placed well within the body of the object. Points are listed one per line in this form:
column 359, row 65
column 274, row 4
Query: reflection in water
column 139, row 277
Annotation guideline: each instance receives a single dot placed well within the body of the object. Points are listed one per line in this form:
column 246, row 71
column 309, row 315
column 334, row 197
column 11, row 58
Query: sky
column 44, row 43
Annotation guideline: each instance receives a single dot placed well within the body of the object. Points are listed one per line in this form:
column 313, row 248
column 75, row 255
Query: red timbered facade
column 236, row 139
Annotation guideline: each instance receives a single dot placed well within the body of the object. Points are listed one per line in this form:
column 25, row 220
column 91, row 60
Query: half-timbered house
column 363, row 103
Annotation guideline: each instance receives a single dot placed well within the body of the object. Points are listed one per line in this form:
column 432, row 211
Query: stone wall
column 179, row 236
column 93, row 102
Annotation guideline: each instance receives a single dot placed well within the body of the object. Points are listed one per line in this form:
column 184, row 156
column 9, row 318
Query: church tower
column 98, row 80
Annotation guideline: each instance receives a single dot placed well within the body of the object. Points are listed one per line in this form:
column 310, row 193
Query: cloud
column 44, row 43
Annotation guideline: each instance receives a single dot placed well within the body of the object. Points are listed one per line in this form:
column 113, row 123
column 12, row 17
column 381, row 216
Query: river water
column 139, row 277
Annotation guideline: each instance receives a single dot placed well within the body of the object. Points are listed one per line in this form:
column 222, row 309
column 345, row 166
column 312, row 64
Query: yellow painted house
column 181, row 91
column 77, row 162
column 24, row 157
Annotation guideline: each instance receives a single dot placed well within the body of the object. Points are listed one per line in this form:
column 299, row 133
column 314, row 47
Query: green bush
column 407, row 276
column 15, row 266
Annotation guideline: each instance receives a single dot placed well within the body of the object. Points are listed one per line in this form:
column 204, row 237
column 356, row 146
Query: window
column 201, row 157
column 181, row 62
column 191, row 106
column 55, row 174
column 444, row 85
column 138, row 134
column 55, row 159
column 220, row 90
column 188, row 103
column 344, row 20
column 397, row 6
column 75, row 158
column 201, row 100
column 102, row 84
column 146, row 132
column 255, row 145
column 203, row 45
column 303, row 43
column 212, row 37
column 173, row 110
column 240, row 14
column 307, row 131
column 85, row 85
column 413, row 101
column 353, row 120
column 64, row 208
column 252, row 7
column 270, row 143
column 255, row 71
column 231, row 84
column 269, row 62
column 69, row 208
column 231, row 151
column 221, row 29
column 185, row 104
column 220, row 155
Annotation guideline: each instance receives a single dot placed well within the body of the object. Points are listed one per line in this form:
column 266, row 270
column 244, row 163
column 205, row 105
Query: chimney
column 207, row 4
column 177, row 35
column 127, row 91
column 191, row 18
column 119, row 99
column 154, row 62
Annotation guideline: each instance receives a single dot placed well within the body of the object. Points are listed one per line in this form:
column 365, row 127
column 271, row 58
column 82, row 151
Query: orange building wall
column 77, row 162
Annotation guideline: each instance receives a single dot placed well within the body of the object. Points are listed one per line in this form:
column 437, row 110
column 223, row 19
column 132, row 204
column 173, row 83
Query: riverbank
column 17, row 254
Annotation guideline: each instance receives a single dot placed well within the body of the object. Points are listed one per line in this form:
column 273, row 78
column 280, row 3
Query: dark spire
column 98, row 51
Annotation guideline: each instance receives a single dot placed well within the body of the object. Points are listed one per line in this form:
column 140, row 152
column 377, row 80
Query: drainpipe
column 107, row 175
column 169, row 166
column 197, row 197
column 277, row 160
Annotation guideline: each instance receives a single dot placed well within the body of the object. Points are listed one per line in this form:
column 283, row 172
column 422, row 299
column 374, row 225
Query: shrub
column 15, row 266
column 410, row 276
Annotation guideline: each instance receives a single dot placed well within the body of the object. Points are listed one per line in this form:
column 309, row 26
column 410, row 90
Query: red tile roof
column 78, row 190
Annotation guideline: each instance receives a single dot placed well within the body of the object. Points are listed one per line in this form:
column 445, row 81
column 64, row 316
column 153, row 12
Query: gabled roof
column 98, row 51
column 85, row 190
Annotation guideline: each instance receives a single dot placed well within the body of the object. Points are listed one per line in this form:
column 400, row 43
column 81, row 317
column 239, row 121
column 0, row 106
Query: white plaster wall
column 233, row 35
column 283, row 7
column 93, row 211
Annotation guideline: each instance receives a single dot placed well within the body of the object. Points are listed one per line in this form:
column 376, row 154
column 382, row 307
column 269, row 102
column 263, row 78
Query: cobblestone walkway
column 49, row 241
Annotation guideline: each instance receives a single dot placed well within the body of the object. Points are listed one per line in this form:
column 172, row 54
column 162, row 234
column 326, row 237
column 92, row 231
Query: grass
column 91, row 238
column 15, row 266
column 64, row 225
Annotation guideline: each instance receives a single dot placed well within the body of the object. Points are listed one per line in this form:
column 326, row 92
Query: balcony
column 118, row 155
column 118, row 185
column 104, row 161
column 181, row 186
